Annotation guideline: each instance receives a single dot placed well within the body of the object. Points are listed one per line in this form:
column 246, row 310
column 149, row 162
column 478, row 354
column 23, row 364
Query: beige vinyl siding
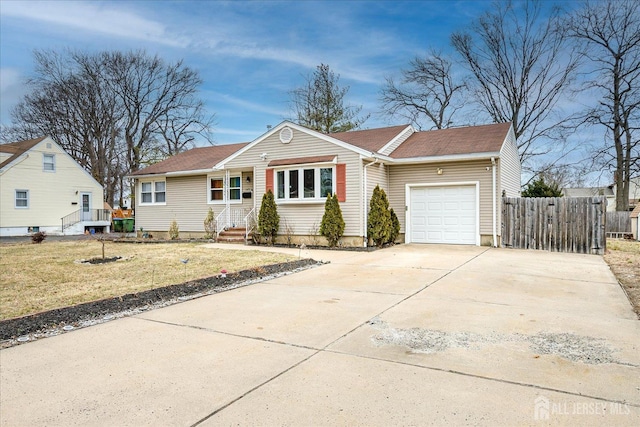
column 470, row 171
column 299, row 216
column 51, row 194
column 509, row 167
column 186, row 202
column 377, row 174
column 402, row 138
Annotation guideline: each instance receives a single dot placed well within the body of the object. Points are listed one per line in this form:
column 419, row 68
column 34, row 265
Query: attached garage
column 443, row 214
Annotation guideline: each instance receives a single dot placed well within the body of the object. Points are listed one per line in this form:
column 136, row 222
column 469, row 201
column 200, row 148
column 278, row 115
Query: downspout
column 364, row 204
column 494, row 201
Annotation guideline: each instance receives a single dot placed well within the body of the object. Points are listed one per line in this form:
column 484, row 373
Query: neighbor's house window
column 22, row 199
column 153, row 192
column 49, row 162
column 217, row 190
column 305, row 183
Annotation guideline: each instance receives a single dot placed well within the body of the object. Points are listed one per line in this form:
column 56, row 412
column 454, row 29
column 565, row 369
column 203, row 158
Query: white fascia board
column 173, row 174
column 509, row 133
column 449, row 158
column 14, row 162
column 395, row 138
column 381, row 157
column 292, row 125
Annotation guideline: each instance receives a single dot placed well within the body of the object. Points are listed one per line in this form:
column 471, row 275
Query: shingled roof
column 445, row 142
column 192, row 160
column 369, row 139
column 18, row 148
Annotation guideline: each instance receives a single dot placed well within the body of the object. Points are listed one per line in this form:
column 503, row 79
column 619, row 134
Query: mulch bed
column 47, row 320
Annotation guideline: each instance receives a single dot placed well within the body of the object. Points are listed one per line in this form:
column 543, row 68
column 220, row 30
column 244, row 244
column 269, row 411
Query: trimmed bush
column 38, row 237
column 395, row 226
column 210, row 225
column 332, row 225
column 174, row 231
column 268, row 218
column 379, row 218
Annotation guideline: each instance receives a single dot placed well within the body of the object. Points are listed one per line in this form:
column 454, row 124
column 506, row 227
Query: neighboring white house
column 445, row 185
column 607, row 192
column 42, row 188
column 635, row 222
column 634, row 191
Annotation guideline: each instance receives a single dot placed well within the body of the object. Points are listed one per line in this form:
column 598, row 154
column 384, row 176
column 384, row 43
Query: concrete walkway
column 411, row 335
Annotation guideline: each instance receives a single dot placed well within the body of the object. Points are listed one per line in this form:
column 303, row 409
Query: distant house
column 592, row 192
column 634, row 192
column 444, row 185
column 635, row 222
column 43, row 189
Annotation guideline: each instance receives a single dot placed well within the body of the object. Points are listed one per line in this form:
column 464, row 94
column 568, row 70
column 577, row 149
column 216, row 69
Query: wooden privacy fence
column 618, row 224
column 559, row 224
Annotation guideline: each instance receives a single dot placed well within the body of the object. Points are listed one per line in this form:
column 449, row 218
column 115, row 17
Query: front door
column 85, row 202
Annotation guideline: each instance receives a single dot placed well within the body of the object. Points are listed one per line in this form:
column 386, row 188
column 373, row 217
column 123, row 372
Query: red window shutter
column 269, row 180
column 341, row 182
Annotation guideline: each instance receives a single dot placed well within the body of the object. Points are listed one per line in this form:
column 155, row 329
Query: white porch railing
column 235, row 217
column 249, row 224
column 221, row 222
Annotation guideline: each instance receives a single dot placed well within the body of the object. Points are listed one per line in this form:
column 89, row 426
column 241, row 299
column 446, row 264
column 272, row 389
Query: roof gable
column 454, row 141
column 18, row 148
column 329, row 138
column 196, row 159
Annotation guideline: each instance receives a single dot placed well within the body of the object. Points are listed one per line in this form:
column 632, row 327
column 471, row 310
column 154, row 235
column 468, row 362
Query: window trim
column 15, row 199
column 53, row 162
column 316, row 167
column 226, row 190
column 153, row 192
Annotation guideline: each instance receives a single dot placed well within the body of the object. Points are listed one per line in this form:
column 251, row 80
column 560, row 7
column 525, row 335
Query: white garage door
column 445, row 214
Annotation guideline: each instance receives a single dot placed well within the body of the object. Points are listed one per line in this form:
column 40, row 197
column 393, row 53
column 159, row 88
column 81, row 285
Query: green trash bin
column 129, row 225
column 118, row 225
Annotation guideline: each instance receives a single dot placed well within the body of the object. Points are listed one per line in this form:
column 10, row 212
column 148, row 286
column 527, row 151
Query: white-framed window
column 152, row 192
column 305, row 183
column 217, row 189
column 49, row 162
column 22, row 199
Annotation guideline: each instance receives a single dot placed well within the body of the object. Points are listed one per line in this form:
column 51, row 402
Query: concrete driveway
column 411, row 335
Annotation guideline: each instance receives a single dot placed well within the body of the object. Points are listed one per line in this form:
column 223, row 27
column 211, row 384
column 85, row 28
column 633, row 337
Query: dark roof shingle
column 195, row 159
column 18, row 148
column 369, row 139
column 445, row 142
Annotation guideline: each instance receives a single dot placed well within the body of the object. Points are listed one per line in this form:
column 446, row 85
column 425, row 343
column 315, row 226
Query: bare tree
column 521, row 68
column 70, row 101
column 609, row 34
column 428, row 91
column 151, row 91
column 319, row 103
column 180, row 129
column 112, row 111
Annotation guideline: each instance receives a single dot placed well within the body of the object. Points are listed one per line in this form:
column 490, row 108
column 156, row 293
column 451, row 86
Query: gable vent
column 48, row 145
column 286, row 135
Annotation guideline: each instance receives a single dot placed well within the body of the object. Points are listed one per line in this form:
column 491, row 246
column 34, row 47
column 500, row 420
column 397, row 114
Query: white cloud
column 253, row 106
column 11, row 91
column 92, row 17
column 8, row 77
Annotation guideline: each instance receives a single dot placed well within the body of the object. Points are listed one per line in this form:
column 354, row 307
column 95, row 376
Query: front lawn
column 39, row 277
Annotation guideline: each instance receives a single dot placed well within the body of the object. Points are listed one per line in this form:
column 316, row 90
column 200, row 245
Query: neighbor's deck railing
column 91, row 215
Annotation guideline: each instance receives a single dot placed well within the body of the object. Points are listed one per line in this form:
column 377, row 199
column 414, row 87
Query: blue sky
column 249, row 54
